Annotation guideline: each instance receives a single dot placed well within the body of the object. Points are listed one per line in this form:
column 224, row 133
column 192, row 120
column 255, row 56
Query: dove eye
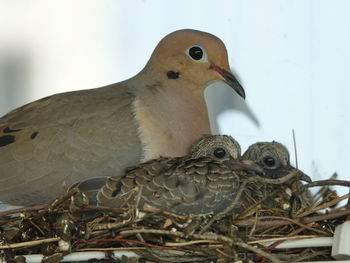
column 269, row 161
column 196, row 53
column 219, row 153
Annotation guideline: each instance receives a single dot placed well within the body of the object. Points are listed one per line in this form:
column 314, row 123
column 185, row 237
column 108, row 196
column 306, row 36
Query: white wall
column 292, row 57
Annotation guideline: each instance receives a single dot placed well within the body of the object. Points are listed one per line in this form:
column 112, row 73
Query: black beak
column 230, row 80
column 298, row 173
column 304, row 177
column 287, row 173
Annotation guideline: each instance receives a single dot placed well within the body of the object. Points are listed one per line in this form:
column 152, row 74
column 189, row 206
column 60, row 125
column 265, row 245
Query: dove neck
column 172, row 115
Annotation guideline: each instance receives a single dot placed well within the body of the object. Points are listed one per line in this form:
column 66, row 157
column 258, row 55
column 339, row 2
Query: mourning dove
column 68, row 137
column 198, row 183
column 273, row 157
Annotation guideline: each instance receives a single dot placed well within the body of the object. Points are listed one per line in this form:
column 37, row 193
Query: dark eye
column 196, row 52
column 219, row 153
column 269, row 161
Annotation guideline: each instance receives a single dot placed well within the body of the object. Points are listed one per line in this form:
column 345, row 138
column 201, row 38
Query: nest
column 69, row 224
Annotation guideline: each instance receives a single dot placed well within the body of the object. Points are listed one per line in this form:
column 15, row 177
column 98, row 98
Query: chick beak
column 304, row 177
column 299, row 174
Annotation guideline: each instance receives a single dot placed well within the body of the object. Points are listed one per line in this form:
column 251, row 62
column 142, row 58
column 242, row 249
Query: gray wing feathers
column 96, row 136
column 200, row 186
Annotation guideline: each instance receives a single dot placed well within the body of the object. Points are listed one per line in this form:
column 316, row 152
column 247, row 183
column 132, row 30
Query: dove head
column 221, row 147
column 194, row 58
column 273, row 157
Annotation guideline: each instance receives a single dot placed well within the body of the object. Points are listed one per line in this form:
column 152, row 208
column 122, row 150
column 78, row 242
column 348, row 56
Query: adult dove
column 69, row 137
column 200, row 182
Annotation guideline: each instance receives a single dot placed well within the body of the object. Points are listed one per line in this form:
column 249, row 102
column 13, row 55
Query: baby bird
column 273, row 158
column 198, row 183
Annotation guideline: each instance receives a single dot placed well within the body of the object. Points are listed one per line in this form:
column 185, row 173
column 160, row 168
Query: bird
column 283, row 180
column 68, row 137
column 199, row 183
column 274, row 158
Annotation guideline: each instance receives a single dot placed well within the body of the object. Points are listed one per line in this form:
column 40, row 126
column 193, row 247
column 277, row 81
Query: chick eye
column 269, row 161
column 196, row 52
column 219, row 153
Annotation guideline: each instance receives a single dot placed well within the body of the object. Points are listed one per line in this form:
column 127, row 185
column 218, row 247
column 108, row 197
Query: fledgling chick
column 273, row 158
column 198, row 183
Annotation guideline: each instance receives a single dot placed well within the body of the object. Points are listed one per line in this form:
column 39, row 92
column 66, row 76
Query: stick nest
column 69, row 224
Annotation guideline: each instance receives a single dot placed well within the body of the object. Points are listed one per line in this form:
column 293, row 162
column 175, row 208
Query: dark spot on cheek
column 6, row 139
column 9, row 130
column 34, row 134
column 173, row 75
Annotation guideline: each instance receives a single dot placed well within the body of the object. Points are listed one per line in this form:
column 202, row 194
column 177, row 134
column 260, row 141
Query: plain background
column 292, row 57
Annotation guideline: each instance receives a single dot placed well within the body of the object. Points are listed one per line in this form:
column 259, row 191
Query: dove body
column 69, row 137
column 282, row 191
column 201, row 182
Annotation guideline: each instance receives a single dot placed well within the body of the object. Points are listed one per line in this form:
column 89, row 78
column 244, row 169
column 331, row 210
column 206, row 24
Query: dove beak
column 300, row 175
column 230, row 79
column 305, row 177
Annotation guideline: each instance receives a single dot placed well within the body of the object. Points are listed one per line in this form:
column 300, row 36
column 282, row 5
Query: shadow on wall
column 221, row 97
column 15, row 75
